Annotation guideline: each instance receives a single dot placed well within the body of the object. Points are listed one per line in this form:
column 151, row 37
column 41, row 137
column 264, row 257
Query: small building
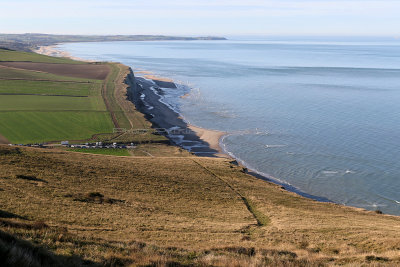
column 64, row 143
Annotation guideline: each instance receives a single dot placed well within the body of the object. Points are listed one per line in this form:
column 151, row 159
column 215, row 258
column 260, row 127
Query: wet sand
column 212, row 137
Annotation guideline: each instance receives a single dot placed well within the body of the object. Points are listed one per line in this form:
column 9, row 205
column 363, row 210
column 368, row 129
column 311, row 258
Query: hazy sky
column 202, row 17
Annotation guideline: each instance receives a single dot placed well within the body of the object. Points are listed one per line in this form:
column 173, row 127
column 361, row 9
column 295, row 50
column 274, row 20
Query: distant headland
column 30, row 41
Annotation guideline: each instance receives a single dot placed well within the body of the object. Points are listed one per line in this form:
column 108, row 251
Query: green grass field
column 10, row 73
column 38, row 107
column 49, row 88
column 102, row 151
column 7, row 55
column 37, row 127
column 50, row 103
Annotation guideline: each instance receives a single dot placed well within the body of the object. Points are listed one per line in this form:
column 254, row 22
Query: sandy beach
column 52, row 51
column 212, row 137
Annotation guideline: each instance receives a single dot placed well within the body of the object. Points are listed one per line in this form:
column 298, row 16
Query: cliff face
column 134, row 90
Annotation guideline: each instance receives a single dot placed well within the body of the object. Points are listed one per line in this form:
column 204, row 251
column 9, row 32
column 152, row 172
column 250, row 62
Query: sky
column 203, row 17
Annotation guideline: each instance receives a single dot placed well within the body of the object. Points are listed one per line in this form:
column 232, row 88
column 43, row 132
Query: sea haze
column 320, row 115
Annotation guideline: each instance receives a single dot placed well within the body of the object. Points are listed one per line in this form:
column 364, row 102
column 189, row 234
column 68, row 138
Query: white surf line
column 273, row 146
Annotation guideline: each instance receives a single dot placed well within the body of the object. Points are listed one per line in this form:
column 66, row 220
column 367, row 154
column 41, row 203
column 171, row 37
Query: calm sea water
column 320, row 115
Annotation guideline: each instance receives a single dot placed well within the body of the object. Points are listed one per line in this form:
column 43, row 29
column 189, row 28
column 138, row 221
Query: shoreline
column 197, row 140
column 148, row 102
column 208, row 137
column 52, row 51
column 212, row 138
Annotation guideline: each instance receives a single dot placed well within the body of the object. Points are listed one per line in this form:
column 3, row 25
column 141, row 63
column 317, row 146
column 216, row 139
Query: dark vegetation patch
column 29, row 178
column 17, row 252
column 9, row 151
column 234, row 162
column 94, row 197
column 6, row 214
column 283, row 254
column 375, row 258
column 23, row 225
column 251, row 251
column 241, row 250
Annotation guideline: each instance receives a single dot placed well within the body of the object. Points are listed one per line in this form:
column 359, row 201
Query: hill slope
column 193, row 210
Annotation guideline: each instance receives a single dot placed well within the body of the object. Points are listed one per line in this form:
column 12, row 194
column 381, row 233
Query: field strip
column 108, row 107
column 54, row 110
column 46, row 95
column 42, row 80
column 106, row 102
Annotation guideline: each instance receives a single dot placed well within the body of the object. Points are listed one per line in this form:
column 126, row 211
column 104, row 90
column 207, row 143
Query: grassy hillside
column 157, row 209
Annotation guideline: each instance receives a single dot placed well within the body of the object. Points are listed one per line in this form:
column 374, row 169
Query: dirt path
column 4, row 140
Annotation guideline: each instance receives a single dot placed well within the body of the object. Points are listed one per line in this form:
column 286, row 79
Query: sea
column 320, row 115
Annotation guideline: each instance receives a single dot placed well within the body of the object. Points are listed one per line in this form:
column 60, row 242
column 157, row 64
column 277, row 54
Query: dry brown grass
column 159, row 150
column 185, row 210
